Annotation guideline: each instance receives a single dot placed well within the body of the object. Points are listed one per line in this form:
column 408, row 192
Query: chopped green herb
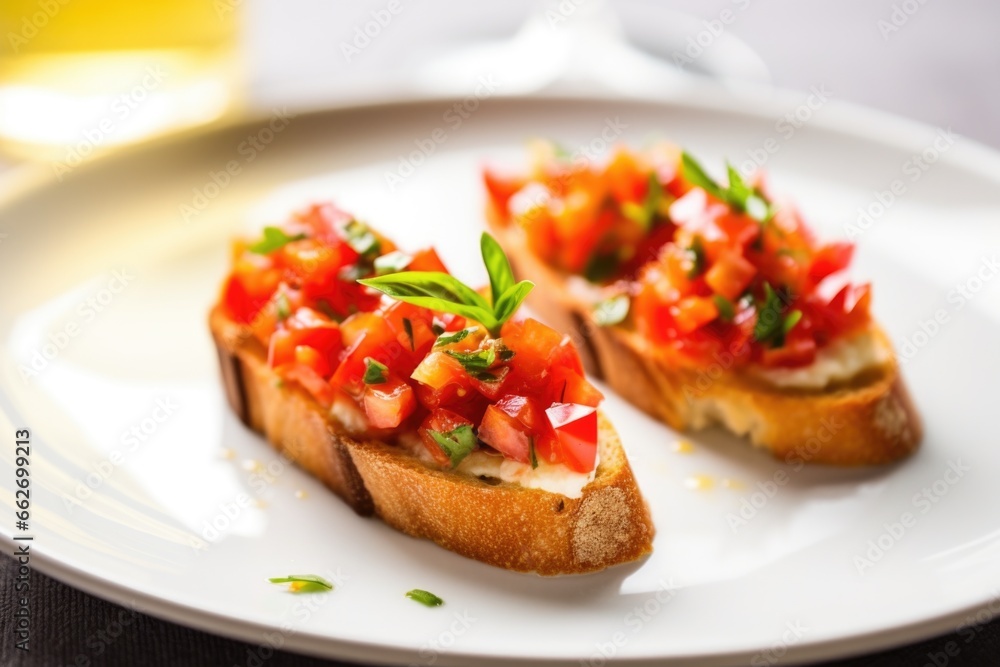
column 408, row 327
column 392, row 262
column 611, row 311
column 457, row 443
column 790, row 321
column 274, row 238
column 738, row 195
column 425, row 598
column 725, row 307
column 304, row 583
column 448, row 339
column 771, row 326
column 354, row 272
column 697, row 255
column 282, row 307
column 361, row 239
column 601, row 267
column 475, row 362
column 325, row 308
column 443, row 292
column 645, row 213
column 375, row 372
column 532, row 456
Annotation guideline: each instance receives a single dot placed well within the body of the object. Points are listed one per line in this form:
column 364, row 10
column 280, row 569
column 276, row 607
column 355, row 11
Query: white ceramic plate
column 120, row 501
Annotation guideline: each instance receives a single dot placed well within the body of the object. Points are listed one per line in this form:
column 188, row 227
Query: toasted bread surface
column 499, row 523
column 870, row 420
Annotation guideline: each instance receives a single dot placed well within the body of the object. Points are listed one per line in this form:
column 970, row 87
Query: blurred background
column 81, row 78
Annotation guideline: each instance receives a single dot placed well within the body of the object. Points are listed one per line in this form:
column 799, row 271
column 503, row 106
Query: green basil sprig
column 274, row 238
column 445, row 293
column 738, row 194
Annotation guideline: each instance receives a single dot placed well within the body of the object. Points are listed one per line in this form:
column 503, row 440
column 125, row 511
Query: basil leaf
column 392, row 262
column 771, row 327
column 511, row 300
column 274, row 238
column 375, row 372
column 497, row 267
column 611, row 311
column 457, row 443
column 790, row 321
column 645, row 213
column 739, row 195
column 437, row 291
column 408, row 327
column 696, row 176
column 725, row 307
column 282, row 307
column 697, row 253
column 307, row 581
column 361, row 239
column 458, row 336
column 601, row 267
column 425, row 598
column 477, row 360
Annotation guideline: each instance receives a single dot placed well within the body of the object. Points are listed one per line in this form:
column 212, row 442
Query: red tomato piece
column 795, row 352
column 388, row 404
column 830, row 259
column 575, row 429
column 730, row 275
column 319, row 388
column 694, row 312
column 426, row 260
column 505, row 434
column 376, row 340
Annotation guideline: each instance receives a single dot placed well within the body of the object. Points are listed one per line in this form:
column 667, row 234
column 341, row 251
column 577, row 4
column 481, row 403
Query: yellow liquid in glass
column 80, row 76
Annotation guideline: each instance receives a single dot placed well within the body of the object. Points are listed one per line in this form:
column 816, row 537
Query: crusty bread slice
column 502, row 524
column 869, row 419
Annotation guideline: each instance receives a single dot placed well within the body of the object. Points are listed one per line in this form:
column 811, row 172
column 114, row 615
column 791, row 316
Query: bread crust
column 872, row 420
column 502, row 524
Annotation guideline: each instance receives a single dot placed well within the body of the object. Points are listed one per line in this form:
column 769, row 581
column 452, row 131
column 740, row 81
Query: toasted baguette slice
column 502, row 524
column 868, row 419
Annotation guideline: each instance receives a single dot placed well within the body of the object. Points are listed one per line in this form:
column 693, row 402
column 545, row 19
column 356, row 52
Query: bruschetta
column 706, row 302
column 424, row 402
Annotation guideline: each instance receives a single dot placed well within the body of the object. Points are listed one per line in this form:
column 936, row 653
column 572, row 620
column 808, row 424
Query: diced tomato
column 575, row 429
column 500, row 188
column 375, row 340
column 738, row 229
column 388, row 404
column 569, row 386
column 426, row 260
column 244, row 296
column 411, row 326
column 306, row 327
column 443, row 383
column 438, row 369
column 694, row 312
column 627, row 181
column 310, row 380
column 492, row 388
column 506, row 434
column 730, row 275
column 536, row 348
column 795, row 352
column 830, row 259
column 442, row 421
